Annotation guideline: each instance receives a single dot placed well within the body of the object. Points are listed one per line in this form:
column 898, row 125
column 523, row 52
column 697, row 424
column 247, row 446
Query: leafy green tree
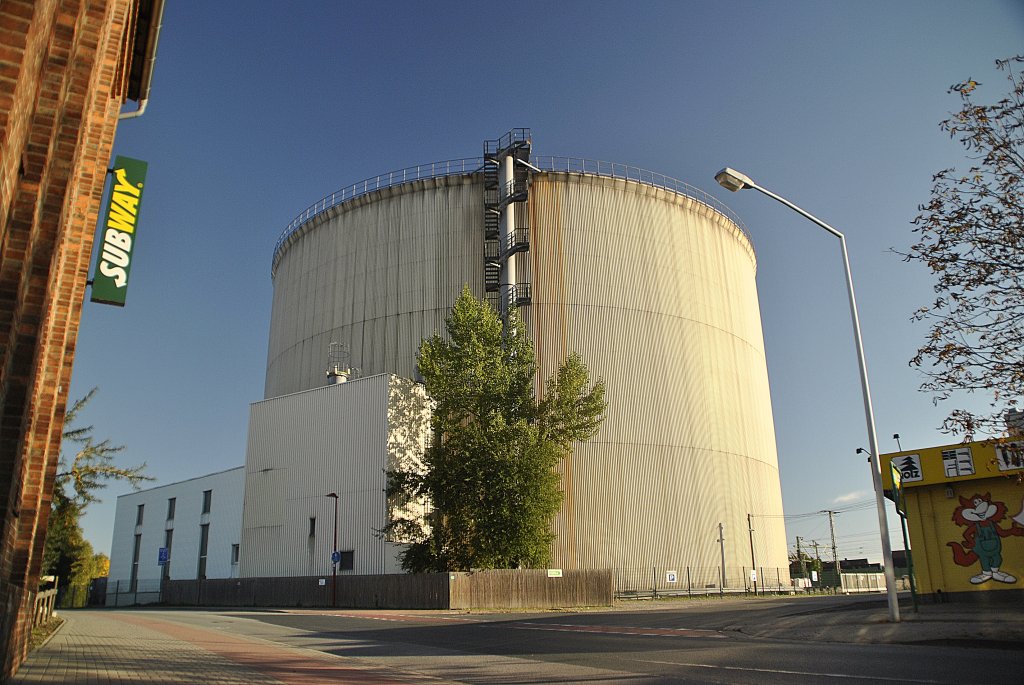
column 63, row 539
column 85, row 566
column 971, row 236
column 67, row 554
column 489, row 470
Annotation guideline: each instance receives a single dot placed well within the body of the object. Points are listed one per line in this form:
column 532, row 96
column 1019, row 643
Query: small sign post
column 901, row 509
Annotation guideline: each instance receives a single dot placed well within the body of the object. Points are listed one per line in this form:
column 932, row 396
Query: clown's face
column 981, row 511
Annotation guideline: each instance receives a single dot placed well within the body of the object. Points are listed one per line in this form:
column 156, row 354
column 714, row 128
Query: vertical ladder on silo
column 500, row 201
column 492, row 220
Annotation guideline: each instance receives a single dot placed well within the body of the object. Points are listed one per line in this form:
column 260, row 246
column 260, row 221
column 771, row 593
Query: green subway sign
column 117, row 232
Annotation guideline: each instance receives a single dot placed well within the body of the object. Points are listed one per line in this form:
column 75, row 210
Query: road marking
column 619, row 630
column 787, row 672
column 396, row 618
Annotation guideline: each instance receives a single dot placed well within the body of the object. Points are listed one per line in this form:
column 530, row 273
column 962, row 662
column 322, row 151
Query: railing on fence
column 863, row 582
column 656, row 581
column 43, row 607
column 121, row 593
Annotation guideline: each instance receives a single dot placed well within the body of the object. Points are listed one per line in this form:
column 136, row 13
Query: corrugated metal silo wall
column 301, row 447
column 379, row 273
column 657, row 293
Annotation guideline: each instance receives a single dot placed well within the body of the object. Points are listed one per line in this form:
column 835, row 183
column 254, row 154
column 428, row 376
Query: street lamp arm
column 798, row 210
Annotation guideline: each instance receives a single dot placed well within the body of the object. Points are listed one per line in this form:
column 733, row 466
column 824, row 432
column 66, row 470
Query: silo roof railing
column 471, row 165
column 451, row 167
column 579, row 165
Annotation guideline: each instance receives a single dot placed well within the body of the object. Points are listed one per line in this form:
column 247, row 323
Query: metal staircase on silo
column 501, row 201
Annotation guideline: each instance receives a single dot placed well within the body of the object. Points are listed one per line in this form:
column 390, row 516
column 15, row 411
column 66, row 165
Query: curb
column 60, row 627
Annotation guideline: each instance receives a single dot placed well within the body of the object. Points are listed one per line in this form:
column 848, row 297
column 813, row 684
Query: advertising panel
column 954, row 463
column 118, row 231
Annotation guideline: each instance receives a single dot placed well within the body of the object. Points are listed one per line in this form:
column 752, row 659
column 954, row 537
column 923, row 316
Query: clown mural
column 982, row 541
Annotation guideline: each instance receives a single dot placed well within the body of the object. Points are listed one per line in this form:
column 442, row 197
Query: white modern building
column 315, row 472
column 185, row 530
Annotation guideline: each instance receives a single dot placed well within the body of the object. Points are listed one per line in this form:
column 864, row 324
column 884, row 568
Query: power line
column 856, row 505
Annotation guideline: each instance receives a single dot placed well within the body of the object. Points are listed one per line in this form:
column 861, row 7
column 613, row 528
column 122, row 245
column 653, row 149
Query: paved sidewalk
column 101, row 647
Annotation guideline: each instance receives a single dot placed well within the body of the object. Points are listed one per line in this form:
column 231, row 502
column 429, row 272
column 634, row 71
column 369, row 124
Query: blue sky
column 257, row 114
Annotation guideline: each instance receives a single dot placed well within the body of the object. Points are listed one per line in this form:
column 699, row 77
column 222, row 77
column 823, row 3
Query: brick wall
column 58, row 59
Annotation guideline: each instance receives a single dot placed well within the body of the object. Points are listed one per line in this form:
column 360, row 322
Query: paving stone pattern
column 98, row 649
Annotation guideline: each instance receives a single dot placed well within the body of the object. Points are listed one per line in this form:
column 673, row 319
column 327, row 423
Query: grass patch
column 42, row 632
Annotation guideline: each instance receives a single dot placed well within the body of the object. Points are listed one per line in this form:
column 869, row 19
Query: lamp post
column 733, row 180
column 334, row 553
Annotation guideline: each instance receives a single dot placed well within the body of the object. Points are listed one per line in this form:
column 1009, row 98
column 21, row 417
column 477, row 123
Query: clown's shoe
column 981, row 577
column 1003, row 577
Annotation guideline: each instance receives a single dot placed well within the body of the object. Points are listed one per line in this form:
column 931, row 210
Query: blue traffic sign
column 335, row 556
column 163, row 556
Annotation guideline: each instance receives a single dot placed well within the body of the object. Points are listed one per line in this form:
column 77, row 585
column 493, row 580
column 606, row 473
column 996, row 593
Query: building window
column 207, row 500
column 312, row 526
column 234, row 554
column 204, row 543
column 134, row 582
column 347, row 562
column 168, row 541
column 170, row 508
column 138, row 514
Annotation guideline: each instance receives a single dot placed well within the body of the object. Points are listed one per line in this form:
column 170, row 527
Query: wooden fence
column 533, row 589
column 42, row 610
column 507, row 589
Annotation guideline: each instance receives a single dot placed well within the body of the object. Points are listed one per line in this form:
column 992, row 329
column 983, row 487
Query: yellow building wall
column 965, row 516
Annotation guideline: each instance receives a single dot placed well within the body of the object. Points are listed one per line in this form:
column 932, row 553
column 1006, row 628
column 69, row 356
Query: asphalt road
column 691, row 643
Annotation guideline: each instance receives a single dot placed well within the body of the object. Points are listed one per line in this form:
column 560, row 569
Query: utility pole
column 721, row 545
column 800, row 557
column 816, row 555
column 753, row 564
column 835, row 556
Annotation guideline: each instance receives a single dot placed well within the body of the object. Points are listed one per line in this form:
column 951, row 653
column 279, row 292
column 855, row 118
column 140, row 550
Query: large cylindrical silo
column 650, row 281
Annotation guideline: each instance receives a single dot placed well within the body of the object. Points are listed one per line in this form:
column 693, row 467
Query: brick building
column 66, row 69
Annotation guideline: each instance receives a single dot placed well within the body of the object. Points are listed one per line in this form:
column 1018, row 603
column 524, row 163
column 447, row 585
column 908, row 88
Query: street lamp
column 334, row 552
column 732, row 180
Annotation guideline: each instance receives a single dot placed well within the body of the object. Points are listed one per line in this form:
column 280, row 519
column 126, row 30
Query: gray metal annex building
column 650, row 280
